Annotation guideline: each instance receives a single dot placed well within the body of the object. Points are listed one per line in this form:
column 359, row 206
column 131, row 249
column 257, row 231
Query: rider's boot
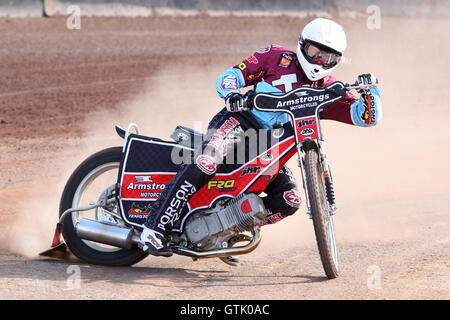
column 154, row 243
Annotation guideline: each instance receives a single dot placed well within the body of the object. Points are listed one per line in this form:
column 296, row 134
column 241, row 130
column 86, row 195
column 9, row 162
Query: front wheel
column 93, row 178
column 323, row 222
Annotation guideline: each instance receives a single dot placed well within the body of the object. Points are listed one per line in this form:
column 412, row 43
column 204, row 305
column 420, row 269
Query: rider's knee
column 289, row 211
column 206, row 164
column 292, row 200
column 282, row 205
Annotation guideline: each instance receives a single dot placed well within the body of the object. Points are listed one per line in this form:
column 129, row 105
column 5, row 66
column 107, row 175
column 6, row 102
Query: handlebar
column 358, row 86
column 248, row 99
column 249, row 95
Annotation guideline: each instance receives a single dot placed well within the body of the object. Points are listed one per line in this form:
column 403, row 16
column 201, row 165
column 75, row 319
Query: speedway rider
column 274, row 69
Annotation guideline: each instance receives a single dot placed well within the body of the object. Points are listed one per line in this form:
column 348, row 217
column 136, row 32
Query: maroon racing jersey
column 280, row 68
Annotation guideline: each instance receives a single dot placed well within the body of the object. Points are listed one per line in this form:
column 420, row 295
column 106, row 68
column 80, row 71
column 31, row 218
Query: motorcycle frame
column 306, row 130
column 315, row 138
column 317, row 141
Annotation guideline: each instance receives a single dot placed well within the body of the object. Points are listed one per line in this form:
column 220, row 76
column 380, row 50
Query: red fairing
column 280, row 68
column 248, row 177
column 307, row 127
column 150, row 185
column 144, row 186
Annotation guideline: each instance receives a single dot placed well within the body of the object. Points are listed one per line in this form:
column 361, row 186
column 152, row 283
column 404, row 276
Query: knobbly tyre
column 108, row 197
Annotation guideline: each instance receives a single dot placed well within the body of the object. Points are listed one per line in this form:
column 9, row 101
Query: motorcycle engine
column 210, row 229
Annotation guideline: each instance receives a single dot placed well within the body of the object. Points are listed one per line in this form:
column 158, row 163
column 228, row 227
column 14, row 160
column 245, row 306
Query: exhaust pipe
column 125, row 238
column 106, row 233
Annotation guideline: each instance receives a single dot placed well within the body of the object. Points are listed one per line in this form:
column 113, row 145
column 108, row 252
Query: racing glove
column 234, row 102
column 367, row 111
column 367, row 79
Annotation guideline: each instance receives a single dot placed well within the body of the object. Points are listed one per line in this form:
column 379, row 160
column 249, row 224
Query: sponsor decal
column 139, row 211
column 301, row 93
column 206, row 164
column 222, row 184
column 285, row 60
column 246, row 207
column 303, row 123
column 152, row 195
column 229, row 82
column 265, row 50
column 143, row 178
column 307, row 132
column 368, row 116
column 267, row 157
column 220, row 134
column 242, row 66
column 287, row 81
column 306, row 127
column 250, row 170
column 256, row 75
column 144, row 186
column 145, row 183
column 303, row 102
column 172, row 213
column 252, row 59
column 292, row 198
column 273, row 218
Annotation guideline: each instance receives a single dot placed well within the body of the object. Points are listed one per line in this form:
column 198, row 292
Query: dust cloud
column 156, row 110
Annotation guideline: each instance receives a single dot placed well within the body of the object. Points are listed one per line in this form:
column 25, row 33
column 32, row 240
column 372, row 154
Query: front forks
column 328, row 179
column 326, row 175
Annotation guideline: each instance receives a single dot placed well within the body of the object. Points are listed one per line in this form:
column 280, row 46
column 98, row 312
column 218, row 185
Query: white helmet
column 320, row 47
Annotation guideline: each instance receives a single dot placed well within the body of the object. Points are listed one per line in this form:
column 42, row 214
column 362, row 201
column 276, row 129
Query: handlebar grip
column 357, row 86
column 248, row 100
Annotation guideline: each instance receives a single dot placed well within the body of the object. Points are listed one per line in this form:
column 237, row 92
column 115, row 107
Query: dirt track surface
column 62, row 91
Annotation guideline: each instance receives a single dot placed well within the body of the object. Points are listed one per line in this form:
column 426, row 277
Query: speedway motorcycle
column 109, row 196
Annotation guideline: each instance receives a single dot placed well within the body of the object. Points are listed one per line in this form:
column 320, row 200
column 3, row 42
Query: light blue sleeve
column 229, row 81
column 367, row 113
column 268, row 119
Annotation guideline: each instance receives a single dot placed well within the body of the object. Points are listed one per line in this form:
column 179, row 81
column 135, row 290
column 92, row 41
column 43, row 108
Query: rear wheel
column 94, row 177
column 322, row 220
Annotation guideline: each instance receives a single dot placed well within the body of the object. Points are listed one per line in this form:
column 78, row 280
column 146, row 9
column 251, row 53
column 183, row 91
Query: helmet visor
column 321, row 56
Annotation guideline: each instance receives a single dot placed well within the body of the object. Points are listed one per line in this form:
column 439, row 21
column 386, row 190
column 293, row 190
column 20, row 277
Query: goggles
column 317, row 54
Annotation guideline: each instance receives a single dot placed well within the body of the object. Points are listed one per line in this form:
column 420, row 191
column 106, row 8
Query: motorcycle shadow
column 163, row 276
